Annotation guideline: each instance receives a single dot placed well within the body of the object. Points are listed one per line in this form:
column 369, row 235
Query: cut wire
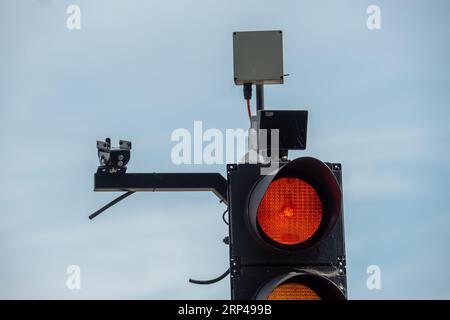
column 212, row 280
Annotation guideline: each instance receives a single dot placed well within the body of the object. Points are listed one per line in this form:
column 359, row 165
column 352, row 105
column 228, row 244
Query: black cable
column 220, row 277
column 212, row 280
column 223, row 217
column 110, row 204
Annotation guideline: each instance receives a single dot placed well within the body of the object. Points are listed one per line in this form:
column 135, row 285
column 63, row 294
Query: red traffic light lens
column 290, row 211
column 293, row 291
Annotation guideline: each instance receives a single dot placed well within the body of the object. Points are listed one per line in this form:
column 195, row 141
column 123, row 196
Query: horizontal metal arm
column 136, row 182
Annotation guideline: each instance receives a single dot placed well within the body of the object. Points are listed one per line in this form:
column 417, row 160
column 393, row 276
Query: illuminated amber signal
column 293, row 291
column 290, row 211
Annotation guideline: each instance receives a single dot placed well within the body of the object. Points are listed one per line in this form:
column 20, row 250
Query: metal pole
column 259, row 97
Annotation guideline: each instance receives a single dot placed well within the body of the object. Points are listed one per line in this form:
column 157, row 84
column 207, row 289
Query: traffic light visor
column 297, row 206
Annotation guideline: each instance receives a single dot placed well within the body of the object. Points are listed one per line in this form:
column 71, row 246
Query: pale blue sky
column 137, row 70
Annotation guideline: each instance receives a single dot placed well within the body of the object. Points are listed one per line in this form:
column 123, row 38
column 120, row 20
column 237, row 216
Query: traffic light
column 286, row 231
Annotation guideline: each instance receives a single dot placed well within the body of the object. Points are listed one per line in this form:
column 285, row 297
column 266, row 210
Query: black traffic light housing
column 255, row 261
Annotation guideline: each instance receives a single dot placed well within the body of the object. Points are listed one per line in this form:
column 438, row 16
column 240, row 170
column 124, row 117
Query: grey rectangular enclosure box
column 258, row 57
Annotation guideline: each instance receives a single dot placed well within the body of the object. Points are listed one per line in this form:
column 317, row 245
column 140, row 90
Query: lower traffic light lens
column 293, row 291
column 290, row 211
column 301, row 285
